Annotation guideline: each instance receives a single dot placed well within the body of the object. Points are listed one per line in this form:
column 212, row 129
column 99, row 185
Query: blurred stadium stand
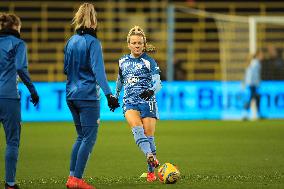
column 46, row 27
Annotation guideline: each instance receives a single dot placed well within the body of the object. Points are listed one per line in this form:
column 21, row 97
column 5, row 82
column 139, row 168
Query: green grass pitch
column 209, row 154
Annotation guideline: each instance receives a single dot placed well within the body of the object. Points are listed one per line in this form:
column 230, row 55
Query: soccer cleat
column 151, row 177
column 152, row 160
column 75, row 183
column 68, row 183
column 11, row 187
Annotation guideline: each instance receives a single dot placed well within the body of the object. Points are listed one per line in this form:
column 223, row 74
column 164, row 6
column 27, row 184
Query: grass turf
column 209, row 154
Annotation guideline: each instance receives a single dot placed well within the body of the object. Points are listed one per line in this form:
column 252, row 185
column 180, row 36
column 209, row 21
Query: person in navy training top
column 84, row 67
column 139, row 74
column 13, row 64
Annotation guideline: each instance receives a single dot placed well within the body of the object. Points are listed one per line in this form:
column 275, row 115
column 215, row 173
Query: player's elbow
column 159, row 86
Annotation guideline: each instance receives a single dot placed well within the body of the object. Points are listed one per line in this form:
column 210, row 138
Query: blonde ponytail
column 85, row 17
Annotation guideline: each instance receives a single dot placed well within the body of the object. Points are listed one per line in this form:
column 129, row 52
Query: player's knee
column 149, row 132
column 90, row 135
column 79, row 138
column 135, row 123
column 14, row 143
column 12, row 151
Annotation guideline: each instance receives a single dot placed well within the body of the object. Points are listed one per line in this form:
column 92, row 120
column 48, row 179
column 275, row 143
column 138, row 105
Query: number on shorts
column 151, row 105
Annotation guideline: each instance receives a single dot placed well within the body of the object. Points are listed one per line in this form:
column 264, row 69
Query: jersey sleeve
column 119, row 83
column 156, row 80
column 154, row 67
column 21, row 61
column 97, row 65
column 65, row 60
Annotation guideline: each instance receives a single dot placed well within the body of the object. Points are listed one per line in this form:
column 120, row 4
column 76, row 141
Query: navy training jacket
column 13, row 63
column 84, row 67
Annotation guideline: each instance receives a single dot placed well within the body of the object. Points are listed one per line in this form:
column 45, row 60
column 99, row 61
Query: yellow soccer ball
column 168, row 173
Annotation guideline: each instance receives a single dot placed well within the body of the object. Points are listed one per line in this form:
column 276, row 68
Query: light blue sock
column 153, row 149
column 141, row 140
column 152, row 144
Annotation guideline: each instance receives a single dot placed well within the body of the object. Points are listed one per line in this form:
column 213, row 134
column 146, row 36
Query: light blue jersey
column 253, row 72
column 137, row 75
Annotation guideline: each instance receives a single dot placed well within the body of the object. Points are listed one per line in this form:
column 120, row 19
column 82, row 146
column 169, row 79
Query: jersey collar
column 5, row 32
column 90, row 31
column 141, row 56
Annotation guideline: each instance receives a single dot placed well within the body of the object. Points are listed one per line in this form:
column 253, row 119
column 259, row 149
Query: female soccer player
column 13, row 63
column 139, row 74
column 84, row 67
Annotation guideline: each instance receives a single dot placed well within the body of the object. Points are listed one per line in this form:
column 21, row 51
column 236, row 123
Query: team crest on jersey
column 138, row 66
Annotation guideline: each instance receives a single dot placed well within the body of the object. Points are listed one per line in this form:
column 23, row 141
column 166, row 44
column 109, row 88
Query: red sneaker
column 68, row 183
column 151, row 177
column 75, row 183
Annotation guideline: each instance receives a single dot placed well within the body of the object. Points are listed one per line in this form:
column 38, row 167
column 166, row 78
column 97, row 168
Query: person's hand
column 112, row 102
column 34, row 98
column 146, row 94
